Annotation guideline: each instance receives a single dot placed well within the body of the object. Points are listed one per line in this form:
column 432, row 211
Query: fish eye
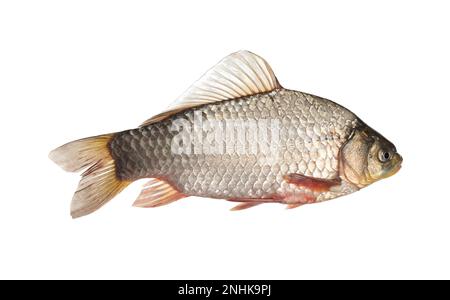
column 384, row 155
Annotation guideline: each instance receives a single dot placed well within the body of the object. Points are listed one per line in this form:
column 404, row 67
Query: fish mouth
column 396, row 166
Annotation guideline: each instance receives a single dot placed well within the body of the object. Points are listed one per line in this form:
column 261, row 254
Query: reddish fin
column 245, row 205
column 295, row 205
column 156, row 193
column 251, row 202
column 314, row 184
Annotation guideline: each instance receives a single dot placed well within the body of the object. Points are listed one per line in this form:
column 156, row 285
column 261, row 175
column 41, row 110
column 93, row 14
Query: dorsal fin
column 238, row 75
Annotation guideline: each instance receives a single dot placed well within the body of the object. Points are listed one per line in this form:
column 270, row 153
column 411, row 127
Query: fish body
column 311, row 132
column 236, row 134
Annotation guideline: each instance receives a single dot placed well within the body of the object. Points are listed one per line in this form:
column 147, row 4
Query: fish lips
column 396, row 165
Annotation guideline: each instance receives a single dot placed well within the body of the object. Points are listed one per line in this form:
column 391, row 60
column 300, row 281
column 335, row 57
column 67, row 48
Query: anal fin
column 157, row 192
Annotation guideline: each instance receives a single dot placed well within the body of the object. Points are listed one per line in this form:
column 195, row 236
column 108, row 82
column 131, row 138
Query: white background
column 71, row 69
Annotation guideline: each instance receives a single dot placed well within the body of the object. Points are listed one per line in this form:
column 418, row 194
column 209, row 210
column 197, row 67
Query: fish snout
column 397, row 161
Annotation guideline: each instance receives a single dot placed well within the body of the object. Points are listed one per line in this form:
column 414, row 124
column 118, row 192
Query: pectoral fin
column 314, row 184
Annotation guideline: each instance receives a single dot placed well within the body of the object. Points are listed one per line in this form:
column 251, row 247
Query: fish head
column 368, row 157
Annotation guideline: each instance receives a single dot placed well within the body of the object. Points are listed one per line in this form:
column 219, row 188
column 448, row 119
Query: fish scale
column 309, row 144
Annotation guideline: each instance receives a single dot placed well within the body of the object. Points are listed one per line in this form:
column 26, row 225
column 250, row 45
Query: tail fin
column 99, row 183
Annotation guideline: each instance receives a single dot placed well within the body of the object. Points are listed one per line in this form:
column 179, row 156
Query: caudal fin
column 99, row 182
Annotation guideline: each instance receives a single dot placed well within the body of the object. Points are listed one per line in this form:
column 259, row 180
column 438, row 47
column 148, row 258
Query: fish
column 235, row 134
